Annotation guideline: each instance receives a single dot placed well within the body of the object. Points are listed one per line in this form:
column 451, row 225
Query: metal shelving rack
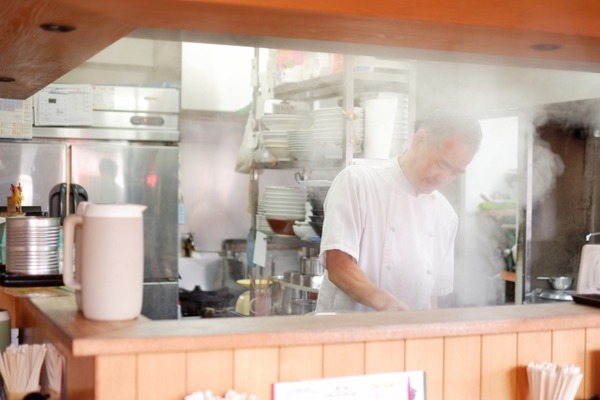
column 361, row 74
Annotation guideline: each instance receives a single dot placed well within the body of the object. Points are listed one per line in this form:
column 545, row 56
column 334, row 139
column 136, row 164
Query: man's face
column 439, row 163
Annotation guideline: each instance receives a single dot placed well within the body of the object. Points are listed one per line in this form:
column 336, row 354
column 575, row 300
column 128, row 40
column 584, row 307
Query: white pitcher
column 109, row 271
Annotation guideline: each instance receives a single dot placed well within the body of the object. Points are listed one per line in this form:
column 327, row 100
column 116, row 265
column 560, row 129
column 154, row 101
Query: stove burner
column 205, row 303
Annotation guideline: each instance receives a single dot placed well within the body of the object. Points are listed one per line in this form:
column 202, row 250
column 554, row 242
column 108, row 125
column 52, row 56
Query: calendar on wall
column 64, row 105
column 16, row 119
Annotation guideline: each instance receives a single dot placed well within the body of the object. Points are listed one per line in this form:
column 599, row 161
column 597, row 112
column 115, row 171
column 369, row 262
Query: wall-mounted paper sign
column 260, row 249
column 16, row 119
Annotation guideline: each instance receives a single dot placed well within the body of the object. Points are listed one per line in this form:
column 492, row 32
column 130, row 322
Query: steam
column 569, row 115
column 483, row 256
column 547, row 166
column 581, row 118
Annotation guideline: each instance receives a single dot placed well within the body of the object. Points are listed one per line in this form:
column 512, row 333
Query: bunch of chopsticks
column 260, row 283
column 548, row 381
column 20, row 367
column 54, row 369
column 260, row 304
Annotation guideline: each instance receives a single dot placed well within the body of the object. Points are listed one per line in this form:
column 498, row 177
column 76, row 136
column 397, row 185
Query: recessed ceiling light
column 57, row 28
column 545, row 46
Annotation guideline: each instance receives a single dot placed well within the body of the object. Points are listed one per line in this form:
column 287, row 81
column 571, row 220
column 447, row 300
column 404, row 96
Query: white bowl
column 285, row 122
column 279, row 151
column 303, row 230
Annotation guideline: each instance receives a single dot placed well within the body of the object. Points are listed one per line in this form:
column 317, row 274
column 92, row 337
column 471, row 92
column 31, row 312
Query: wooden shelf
column 35, row 57
column 333, row 85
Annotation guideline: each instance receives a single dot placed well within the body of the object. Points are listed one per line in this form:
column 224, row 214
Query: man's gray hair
column 443, row 123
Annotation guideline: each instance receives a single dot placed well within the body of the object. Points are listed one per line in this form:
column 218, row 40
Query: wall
column 213, row 193
column 216, row 77
column 131, row 62
column 491, row 88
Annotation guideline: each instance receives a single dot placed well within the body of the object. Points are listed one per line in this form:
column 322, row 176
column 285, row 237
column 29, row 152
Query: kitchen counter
column 90, row 338
column 477, row 352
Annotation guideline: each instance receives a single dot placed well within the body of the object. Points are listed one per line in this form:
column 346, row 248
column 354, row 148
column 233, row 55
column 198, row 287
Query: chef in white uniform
column 388, row 234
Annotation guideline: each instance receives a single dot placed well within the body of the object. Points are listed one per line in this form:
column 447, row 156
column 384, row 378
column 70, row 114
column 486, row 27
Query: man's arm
column 344, row 272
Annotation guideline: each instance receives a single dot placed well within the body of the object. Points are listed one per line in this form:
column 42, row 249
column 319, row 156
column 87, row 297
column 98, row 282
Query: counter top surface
column 86, row 337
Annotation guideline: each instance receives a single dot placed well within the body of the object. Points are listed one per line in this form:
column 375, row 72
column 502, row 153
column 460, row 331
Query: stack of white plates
column 302, row 144
column 282, row 202
column 261, row 219
column 329, row 130
column 276, row 142
column 32, row 245
column 285, row 122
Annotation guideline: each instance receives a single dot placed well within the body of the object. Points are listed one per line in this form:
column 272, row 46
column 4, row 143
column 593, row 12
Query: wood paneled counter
column 474, row 353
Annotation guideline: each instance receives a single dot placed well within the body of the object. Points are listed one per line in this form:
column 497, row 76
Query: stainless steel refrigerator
column 129, row 154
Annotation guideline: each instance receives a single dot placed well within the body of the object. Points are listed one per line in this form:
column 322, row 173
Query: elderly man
column 388, row 234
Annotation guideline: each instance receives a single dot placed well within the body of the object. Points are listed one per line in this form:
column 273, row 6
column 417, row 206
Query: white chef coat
column 404, row 241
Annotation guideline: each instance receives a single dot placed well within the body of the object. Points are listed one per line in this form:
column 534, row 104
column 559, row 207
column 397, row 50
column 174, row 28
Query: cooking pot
column 559, row 282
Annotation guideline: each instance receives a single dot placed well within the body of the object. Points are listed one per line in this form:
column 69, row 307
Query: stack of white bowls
column 328, row 130
column 276, row 142
column 285, row 122
column 285, row 203
column 275, row 129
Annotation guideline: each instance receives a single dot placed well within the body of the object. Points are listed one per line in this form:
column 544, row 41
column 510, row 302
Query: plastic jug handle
column 68, row 244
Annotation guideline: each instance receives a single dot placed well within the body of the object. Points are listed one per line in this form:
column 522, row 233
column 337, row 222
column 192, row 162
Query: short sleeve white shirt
column 402, row 240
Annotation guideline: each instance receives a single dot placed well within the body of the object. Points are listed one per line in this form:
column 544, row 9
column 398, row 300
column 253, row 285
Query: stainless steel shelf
column 360, row 75
column 321, row 163
column 292, row 241
column 297, row 287
column 333, row 85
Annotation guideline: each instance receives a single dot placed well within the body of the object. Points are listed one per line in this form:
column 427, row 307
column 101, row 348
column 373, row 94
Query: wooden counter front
column 474, row 353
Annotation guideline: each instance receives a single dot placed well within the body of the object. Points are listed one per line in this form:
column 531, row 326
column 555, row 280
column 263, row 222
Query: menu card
column 408, row 385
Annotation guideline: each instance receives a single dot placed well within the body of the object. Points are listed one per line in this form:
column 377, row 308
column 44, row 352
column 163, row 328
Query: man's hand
column 344, row 272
